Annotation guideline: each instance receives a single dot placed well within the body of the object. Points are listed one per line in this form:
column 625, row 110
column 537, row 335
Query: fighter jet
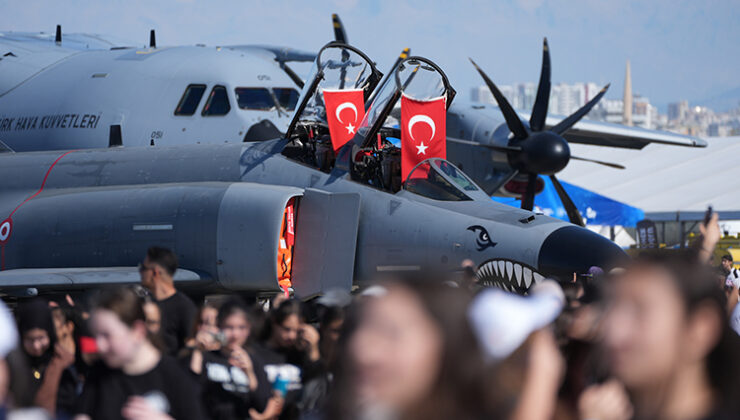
column 76, row 93
column 257, row 217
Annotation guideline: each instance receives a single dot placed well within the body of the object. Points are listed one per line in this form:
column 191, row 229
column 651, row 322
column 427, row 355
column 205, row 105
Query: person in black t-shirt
column 135, row 380
column 65, row 324
column 177, row 310
column 290, row 352
column 233, row 381
column 50, row 361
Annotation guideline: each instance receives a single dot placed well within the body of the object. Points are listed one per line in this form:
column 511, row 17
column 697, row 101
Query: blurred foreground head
column 119, row 324
column 412, row 355
column 667, row 330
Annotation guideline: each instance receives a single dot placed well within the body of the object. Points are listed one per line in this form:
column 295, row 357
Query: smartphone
column 708, row 215
column 220, row 338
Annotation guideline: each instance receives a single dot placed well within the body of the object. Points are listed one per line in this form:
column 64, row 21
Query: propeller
column 152, row 39
column 404, row 54
column 534, row 151
column 340, row 35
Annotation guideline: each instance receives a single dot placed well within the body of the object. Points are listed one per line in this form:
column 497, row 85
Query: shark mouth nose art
column 508, row 275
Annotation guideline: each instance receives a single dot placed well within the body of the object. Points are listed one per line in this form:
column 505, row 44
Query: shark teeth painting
column 508, row 275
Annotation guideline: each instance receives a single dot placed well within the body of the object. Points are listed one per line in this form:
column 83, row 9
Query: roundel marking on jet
column 6, row 227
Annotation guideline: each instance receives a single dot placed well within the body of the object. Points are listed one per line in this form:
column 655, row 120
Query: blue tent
column 597, row 209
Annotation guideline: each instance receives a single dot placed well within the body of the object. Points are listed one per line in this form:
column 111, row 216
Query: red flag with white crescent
column 423, row 131
column 345, row 110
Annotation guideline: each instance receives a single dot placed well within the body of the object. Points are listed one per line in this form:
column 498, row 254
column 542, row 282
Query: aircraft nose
column 574, row 249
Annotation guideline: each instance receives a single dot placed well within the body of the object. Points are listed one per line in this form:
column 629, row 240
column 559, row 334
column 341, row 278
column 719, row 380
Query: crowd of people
column 653, row 339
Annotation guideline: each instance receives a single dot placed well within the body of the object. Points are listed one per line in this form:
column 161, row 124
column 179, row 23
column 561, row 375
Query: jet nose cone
column 574, row 249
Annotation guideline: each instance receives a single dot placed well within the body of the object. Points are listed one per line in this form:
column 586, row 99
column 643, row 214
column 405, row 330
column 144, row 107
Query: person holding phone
column 290, row 351
column 710, row 236
column 233, row 381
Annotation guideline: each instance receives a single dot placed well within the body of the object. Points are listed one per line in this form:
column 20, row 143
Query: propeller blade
column 539, row 111
column 58, row 35
column 497, row 148
column 292, row 74
column 339, row 34
column 600, row 162
column 528, row 199
column 404, row 54
column 573, row 214
column 152, row 39
column 512, row 118
column 567, row 123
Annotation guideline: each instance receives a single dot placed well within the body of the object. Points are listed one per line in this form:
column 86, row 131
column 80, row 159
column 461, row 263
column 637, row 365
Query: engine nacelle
column 228, row 233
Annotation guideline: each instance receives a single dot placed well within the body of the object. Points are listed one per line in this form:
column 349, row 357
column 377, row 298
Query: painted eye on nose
column 483, row 239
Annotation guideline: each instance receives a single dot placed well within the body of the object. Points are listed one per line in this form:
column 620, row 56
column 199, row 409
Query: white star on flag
column 422, row 149
column 350, row 129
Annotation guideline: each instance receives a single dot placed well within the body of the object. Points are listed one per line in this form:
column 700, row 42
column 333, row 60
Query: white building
column 564, row 98
column 643, row 113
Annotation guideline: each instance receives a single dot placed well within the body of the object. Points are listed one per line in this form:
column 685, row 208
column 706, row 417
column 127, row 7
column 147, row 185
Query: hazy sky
column 678, row 48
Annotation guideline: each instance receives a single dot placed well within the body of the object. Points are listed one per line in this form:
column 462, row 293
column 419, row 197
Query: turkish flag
column 345, row 110
column 423, row 131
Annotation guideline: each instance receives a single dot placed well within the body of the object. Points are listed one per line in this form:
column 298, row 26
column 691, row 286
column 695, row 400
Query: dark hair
column 697, row 287
column 571, row 290
column 330, row 314
column 229, row 307
column 727, row 257
column 163, row 257
column 279, row 314
column 124, row 302
column 460, row 389
column 128, row 306
column 199, row 315
column 32, row 314
column 593, row 291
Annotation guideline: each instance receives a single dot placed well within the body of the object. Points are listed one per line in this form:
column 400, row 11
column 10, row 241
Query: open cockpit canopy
column 440, row 180
column 337, row 67
column 416, row 77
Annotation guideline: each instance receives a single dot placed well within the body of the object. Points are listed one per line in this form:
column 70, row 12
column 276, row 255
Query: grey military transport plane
column 81, row 218
column 67, row 93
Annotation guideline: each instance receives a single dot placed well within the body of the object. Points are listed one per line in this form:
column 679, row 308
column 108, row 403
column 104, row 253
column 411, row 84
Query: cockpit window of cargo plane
column 218, row 102
column 190, row 100
column 254, row 98
column 286, row 97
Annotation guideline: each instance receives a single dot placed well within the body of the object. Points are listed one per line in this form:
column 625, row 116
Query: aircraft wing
column 601, row 133
column 70, row 41
column 24, row 54
column 282, row 54
column 70, row 278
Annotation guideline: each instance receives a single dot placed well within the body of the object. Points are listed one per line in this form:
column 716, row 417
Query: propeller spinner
column 535, row 151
